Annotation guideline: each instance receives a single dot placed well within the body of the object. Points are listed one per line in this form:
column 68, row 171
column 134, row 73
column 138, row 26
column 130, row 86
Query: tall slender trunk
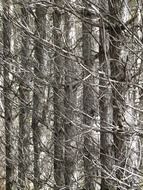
column 89, row 101
column 24, row 95
column 58, row 101
column 106, row 108
column 38, row 94
column 7, row 92
column 70, row 98
column 119, row 66
column 132, row 117
column 118, row 75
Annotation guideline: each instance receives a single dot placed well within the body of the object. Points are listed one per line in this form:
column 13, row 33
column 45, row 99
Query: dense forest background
column 71, row 94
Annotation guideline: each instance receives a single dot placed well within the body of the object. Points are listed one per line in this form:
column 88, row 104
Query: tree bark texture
column 39, row 85
column 24, row 106
column 69, row 103
column 106, row 109
column 89, row 101
column 7, row 93
column 58, row 101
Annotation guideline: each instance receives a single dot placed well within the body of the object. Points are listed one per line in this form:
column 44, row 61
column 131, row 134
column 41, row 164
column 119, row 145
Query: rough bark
column 118, row 75
column 69, row 103
column 39, row 86
column 132, row 117
column 89, row 102
column 24, row 107
column 58, row 101
column 106, row 108
column 7, row 93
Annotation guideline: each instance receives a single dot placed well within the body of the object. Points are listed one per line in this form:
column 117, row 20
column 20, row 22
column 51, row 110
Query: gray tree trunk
column 70, row 100
column 90, row 105
column 7, row 92
column 118, row 74
column 106, row 108
column 39, row 86
column 58, row 100
column 24, row 107
column 133, row 117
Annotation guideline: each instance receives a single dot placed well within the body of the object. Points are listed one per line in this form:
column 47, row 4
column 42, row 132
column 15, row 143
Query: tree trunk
column 24, row 96
column 70, row 100
column 119, row 70
column 58, row 101
column 106, row 108
column 7, row 92
column 90, row 105
column 132, row 117
column 38, row 94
